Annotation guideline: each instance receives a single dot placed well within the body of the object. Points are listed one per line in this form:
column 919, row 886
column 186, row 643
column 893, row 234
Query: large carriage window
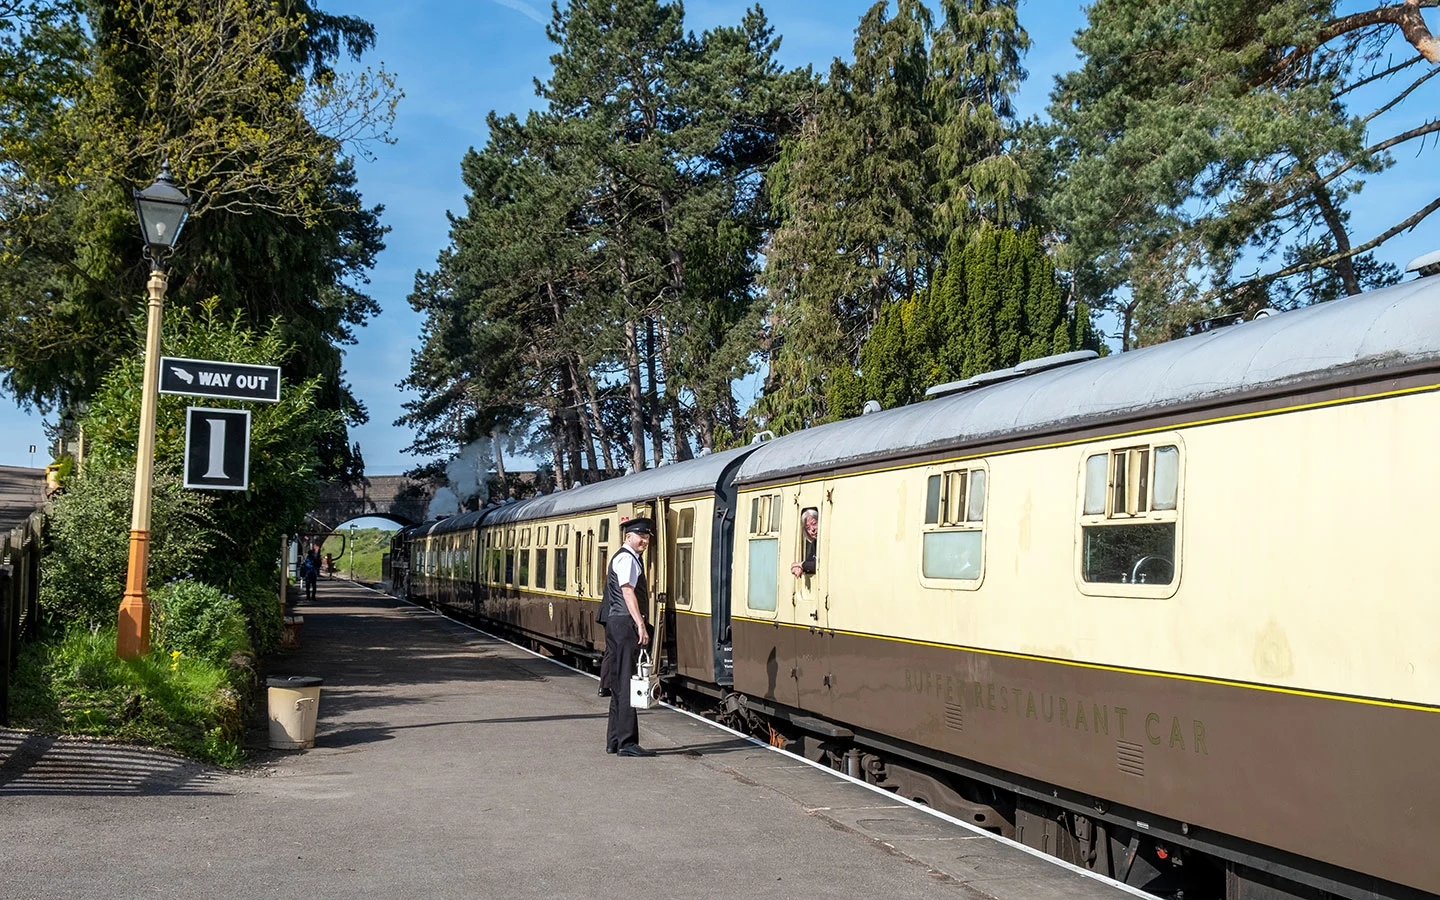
column 509, row 566
column 684, row 556
column 541, row 558
column 953, row 541
column 524, row 568
column 1129, row 516
column 764, row 552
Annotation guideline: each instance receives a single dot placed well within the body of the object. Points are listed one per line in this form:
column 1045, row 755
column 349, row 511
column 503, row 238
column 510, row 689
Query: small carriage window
column 1129, row 516
column 524, row 537
column 605, row 530
column 561, row 555
column 953, row 543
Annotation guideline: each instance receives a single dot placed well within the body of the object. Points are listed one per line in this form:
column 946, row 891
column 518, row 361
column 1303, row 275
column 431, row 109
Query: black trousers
column 623, row 648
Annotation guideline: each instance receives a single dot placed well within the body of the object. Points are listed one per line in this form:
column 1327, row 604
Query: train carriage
column 1166, row 614
column 543, row 565
column 1188, row 582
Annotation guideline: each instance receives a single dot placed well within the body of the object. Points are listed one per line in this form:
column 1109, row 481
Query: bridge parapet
column 397, row 497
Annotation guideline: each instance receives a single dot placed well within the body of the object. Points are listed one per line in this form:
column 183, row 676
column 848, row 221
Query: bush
column 75, row 684
column 261, row 603
column 197, row 620
column 82, row 576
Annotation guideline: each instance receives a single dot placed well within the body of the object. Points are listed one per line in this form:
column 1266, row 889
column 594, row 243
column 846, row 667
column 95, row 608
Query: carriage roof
column 1392, row 328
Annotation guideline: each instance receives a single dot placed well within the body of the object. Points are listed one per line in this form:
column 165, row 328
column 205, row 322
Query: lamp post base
column 133, row 639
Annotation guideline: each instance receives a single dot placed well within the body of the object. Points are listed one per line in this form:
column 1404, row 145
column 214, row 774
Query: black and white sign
column 213, row 378
column 217, row 449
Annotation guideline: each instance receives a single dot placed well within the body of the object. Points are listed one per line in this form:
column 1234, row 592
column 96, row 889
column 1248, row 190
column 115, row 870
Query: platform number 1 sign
column 217, row 449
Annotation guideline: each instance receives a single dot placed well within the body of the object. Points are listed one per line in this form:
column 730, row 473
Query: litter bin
column 294, row 706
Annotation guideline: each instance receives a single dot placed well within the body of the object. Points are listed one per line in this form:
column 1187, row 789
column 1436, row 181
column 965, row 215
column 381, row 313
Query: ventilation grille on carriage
column 954, row 717
column 1130, row 758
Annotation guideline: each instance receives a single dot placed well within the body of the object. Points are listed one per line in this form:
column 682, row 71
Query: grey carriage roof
column 1391, row 327
column 671, row 480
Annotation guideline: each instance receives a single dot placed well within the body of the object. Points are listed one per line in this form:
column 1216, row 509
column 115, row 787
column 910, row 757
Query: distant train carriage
column 543, row 560
column 1166, row 614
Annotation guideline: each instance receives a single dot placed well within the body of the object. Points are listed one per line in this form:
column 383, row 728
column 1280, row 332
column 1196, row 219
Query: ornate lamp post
column 161, row 209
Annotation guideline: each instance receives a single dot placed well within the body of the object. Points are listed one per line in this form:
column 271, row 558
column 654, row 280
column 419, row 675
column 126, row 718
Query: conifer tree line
column 680, row 211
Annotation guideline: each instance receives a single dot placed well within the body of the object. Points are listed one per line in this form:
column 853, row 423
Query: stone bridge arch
column 397, row 497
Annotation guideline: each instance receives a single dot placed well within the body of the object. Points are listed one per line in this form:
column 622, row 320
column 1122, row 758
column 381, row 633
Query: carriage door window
column 562, row 537
column 524, row 557
column 602, row 573
column 510, row 556
column 542, row 540
column 1129, row 516
column 684, row 556
column 952, row 544
column 764, row 552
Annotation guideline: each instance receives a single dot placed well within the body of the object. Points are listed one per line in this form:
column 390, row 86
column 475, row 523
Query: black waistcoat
column 613, row 602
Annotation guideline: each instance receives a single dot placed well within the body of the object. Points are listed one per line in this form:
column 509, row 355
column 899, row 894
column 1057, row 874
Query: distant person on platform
column 309, row 574
column 622, row 612
column 329, row 565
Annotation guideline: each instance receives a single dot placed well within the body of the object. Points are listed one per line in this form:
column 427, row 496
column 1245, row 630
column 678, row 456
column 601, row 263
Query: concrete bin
column 294, row 706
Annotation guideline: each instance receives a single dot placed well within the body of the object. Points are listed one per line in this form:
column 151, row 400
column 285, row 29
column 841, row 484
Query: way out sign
column 214, row 378
column 217, row 449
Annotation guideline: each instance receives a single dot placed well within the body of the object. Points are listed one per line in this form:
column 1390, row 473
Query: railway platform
column 451, row 764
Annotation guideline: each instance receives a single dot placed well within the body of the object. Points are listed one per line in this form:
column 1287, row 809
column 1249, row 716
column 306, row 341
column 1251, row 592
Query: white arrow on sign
column 184, row 375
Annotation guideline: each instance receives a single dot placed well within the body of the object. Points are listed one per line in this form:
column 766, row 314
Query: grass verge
column 74, row 684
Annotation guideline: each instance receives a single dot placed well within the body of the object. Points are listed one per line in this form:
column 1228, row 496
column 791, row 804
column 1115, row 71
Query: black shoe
column 604, row 691
column 635, row 750
column 609, row 749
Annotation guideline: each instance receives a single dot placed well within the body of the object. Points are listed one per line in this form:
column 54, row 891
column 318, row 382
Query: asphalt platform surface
column 451, row 764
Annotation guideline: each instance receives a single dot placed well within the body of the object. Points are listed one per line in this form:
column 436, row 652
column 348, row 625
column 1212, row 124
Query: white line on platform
column 980, row 832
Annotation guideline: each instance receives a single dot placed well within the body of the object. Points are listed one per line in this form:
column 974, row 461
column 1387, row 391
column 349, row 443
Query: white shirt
column 626, row 566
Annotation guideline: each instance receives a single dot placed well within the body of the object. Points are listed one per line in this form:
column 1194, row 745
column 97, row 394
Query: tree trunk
column 637, row 412
column 657, row 437
column 1345, row 266
column 562, row 479
column 577, row 402
column 569, row 426
column 601, row 431
column 499, row 466
column 680, row 433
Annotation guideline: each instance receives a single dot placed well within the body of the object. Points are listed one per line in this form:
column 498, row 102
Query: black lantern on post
column 161, row 210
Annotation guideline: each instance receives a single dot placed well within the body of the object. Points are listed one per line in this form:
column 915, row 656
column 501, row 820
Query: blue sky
column 459, row 59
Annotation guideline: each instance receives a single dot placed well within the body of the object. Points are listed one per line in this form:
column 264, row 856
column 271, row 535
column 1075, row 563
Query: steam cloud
column 465, row 477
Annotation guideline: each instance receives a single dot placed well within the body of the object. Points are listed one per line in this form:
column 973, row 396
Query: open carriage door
column 662, row 611
column 809, row 549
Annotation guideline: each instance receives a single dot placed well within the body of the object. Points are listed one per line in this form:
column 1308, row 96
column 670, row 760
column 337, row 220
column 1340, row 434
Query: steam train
column 1167, row 614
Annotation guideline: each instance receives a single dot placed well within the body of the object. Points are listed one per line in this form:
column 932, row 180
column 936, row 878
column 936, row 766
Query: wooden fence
column 19, row 598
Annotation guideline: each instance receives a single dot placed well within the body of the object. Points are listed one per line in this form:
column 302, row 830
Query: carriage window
column 541, row 558
column 560, row 558
column 764, row 552
column 684, row 556
column 562, row 535
column 524, row 537
column 542, row 536
column 952, row 544
column 524, row 568
column 605, row 530
column 1129, row 516
column 509, row 566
